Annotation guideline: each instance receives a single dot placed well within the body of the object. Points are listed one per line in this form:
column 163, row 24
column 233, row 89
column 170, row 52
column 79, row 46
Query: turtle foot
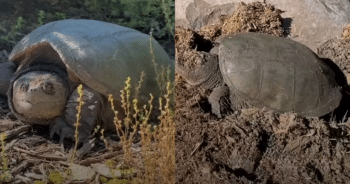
column 65, row 126
column 220, row 101
column 61, row 128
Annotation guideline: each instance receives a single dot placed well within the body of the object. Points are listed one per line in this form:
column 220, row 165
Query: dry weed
column 76, row 135
column 5, row 173
column 346, row 32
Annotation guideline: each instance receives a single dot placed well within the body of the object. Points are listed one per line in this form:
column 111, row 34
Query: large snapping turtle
column 55, row 58
column 268, row 72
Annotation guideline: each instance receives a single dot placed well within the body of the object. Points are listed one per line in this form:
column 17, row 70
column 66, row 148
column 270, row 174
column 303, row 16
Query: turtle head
column 38, row 96
column 205, row 73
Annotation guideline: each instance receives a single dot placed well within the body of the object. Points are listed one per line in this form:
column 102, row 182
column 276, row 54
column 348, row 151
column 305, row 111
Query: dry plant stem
column 125, row 95
column 104, row 140
column 155, row 65
column 136, row 115
column 116, row 121
column 5, row 173
column 146, row 141
column 166, row 138
column 138, row 87
column 76, row 136
column 123, row 134
column 159, row 157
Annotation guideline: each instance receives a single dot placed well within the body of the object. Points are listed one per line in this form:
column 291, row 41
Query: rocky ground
column 252, row 145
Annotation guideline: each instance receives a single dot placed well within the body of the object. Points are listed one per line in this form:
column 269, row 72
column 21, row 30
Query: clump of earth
column 254, row 145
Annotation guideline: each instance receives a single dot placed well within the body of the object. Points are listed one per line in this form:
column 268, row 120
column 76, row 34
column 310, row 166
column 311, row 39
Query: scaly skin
column 95, row 111
column 207, row 76
column 43, row 97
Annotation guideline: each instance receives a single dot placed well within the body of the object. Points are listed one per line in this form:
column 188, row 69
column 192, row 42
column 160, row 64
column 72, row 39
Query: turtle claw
column 62, row 129
column 66, row 133
column 220, row 102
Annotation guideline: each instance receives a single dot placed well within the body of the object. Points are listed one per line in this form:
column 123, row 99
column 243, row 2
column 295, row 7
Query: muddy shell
column 278, row 73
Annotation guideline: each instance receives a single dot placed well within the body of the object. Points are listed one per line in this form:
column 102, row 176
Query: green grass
column 14, row 35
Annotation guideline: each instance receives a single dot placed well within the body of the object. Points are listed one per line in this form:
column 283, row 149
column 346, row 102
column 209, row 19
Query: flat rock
column 310, row 22
column 106, row 171
column 82, row 173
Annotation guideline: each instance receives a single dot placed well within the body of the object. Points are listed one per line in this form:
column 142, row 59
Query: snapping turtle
column 265, row 71
column 55, row 58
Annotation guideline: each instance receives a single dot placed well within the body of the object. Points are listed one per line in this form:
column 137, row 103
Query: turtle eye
column 24, row 87
column 48, row 88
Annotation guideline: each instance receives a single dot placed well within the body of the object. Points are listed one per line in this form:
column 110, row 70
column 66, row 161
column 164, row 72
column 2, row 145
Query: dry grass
column 76, row 135
column 158, row 142
column 157, row 138
column 5, row 173
column 346, row 32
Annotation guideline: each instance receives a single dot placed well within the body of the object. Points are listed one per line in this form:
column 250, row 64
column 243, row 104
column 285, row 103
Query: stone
column 310, row 22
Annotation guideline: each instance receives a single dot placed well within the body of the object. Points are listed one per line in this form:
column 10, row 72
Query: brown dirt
column 338, row 51
column 254, row 17
column 185, row 39
column 252, row 145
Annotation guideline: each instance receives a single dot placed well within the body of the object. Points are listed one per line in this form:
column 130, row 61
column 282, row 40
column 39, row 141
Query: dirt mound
column 185, row 47
column 252, row 145
column 338, row 51
column 253, row 17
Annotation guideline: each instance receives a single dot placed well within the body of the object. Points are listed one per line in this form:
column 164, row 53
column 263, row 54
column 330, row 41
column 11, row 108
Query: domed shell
column 101, row 55
column 278, row 73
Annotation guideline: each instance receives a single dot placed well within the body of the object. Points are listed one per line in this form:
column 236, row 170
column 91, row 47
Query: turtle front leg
column 64, row 126
column 224, row 102
column 219, row 100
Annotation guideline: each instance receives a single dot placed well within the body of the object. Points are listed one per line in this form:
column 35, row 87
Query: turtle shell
column 99, row 54
column 279, row 74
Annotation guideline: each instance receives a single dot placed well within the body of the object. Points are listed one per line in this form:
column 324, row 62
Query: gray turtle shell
column 99, row 54
column 278, row 73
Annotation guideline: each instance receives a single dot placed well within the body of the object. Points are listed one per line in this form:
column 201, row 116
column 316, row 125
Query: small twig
column 10, row 134
column 238, row 129
column 98, row 159
column 196, row 148
column 23, row 165
column 35, row 154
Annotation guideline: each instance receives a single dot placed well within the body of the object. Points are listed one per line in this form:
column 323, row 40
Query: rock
column 201, row 13
column 82, row 173
column 106, row 171
column 310, row 22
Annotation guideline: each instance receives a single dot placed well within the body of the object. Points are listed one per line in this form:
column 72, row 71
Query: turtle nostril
column 48, row 88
